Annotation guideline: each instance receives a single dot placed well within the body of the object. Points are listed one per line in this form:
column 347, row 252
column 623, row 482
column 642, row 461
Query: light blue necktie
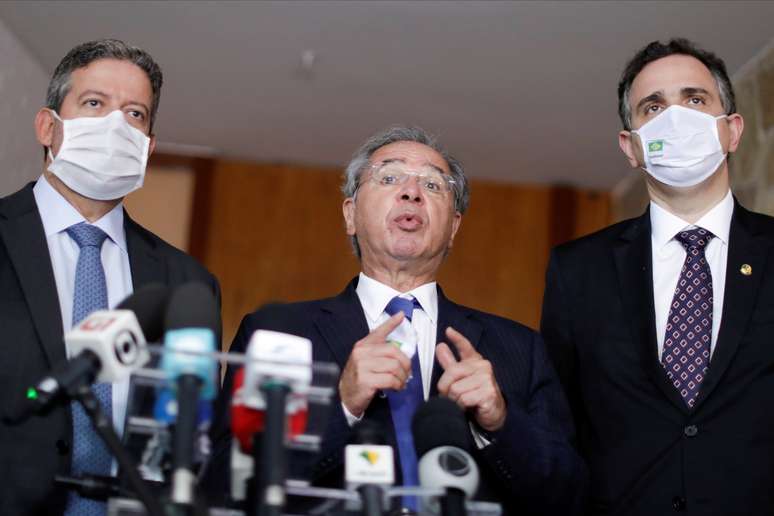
column 404, row 403
column 90, row 455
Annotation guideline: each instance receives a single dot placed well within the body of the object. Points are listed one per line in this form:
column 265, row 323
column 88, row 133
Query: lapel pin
column 745, row 269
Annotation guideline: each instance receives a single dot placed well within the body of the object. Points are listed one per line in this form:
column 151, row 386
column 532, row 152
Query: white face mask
column 101, row 158
column 681, row 146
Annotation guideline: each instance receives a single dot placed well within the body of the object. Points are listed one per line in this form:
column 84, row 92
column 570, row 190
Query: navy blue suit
column 531, row 467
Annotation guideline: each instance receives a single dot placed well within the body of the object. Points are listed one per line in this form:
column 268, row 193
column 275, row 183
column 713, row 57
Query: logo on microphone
column 97, row 322
column 370, row 456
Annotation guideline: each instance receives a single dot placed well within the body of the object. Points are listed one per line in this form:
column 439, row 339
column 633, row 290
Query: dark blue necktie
column 404, row 403
column 688, row 336
column 90, row 455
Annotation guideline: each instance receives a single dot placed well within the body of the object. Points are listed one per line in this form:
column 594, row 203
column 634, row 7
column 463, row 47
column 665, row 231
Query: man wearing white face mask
column 67, row 247
column 660, row 326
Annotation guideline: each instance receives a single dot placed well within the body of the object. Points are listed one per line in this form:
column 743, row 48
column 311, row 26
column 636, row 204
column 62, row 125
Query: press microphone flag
column 189, row 344
column 107, row 346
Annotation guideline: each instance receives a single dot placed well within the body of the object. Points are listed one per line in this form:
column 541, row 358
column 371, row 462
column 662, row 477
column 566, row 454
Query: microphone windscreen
column 439, row 422
column 368, row 432
column 149, row 304
column 192, row 305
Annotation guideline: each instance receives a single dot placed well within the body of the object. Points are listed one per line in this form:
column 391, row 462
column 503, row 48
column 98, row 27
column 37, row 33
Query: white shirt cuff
column 480, row 440
column 351, row 420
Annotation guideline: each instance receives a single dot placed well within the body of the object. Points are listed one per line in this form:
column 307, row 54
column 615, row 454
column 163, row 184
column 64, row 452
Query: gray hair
column 85, row 53
column 399, row 133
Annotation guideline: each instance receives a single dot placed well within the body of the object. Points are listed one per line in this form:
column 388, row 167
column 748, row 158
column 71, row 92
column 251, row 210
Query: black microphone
column 189, row 342
column 442, row 440
column 107, row 346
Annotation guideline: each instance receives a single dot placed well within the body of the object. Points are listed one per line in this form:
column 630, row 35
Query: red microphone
column 247, row 421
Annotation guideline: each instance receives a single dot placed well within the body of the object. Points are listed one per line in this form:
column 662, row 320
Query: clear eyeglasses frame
column 430, row 179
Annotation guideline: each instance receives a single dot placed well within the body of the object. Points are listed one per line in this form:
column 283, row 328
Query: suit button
column 678, row 503
column 691, row 430
column 62, row 446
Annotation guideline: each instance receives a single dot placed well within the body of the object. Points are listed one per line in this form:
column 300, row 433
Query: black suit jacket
column 531, row 468
column 648, row 454
column 31, row 343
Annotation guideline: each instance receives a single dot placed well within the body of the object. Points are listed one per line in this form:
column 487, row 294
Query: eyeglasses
column 394, row 173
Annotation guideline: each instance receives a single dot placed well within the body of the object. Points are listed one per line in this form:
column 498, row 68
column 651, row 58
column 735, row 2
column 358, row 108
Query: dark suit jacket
column 531, row 468
column 31, row 344
column 648, row 454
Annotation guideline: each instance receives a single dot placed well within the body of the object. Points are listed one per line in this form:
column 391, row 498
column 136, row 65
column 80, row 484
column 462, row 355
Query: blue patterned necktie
column 688, row 336
column 404, row 403
column 90, row 455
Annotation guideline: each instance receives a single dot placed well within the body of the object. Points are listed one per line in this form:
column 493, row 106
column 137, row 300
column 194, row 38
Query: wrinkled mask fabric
column 102, row 158
column 681, row 146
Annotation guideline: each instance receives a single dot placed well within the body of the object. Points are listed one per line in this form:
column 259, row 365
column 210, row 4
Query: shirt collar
column 374, row 297
column 664, row 225
column 57, row 214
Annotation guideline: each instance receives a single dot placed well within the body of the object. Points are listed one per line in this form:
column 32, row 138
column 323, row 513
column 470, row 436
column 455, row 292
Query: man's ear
column 348, row 210
column 629, row 145
column 735, row 129
column 455, row 226
column 44, row 127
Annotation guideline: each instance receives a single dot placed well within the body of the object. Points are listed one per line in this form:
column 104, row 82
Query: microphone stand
column 272, row 455
column 104, row 427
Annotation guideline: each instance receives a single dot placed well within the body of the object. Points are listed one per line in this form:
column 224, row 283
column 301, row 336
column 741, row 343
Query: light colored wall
column 23, row 83
column 752, row 167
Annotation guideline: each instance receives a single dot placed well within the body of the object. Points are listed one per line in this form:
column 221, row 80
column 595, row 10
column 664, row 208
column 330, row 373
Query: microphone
column 191, row 322
column 245, row 423
column 445, row 461
column 107, row 346
column 369, row 466
column 277, row 375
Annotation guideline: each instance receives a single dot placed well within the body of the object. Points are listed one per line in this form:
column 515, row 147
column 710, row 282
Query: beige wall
column 752, row 167
column 23, row 85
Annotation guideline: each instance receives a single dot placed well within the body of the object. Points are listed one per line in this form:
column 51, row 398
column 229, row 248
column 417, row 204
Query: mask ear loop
column 57, row 117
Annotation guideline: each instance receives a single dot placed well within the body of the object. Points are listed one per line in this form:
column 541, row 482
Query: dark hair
column 656, row 50
column 85, row 53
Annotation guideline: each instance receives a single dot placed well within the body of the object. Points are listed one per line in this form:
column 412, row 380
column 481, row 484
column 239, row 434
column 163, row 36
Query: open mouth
column 409, row 221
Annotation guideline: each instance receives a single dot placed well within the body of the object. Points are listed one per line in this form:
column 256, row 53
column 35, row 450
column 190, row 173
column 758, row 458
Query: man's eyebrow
column 92, row 92
column 105, row 95
column 693, row 90
column 653, row 97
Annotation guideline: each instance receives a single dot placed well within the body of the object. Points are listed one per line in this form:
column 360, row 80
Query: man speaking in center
column 404, row 200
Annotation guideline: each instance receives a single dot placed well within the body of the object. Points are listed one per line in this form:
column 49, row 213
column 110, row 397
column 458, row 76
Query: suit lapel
column 744, row 247
column 451, row 314
column 342, row 322
column 147, row 267
column 634, row 265
column 22, row 231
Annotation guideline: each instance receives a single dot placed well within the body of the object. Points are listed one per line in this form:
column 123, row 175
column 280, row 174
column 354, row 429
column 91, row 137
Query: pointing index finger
column 384, row 329
column 463, row 345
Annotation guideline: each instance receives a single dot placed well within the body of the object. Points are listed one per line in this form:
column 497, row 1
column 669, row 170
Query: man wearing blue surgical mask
column 660, row 326
column 68, row 247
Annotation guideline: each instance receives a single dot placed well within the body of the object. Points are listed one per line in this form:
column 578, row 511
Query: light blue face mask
column 681, row 146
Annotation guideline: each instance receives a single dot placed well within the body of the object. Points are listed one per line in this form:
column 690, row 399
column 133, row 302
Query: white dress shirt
column 669, row 256
column 57, row 215
column 375, row 296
